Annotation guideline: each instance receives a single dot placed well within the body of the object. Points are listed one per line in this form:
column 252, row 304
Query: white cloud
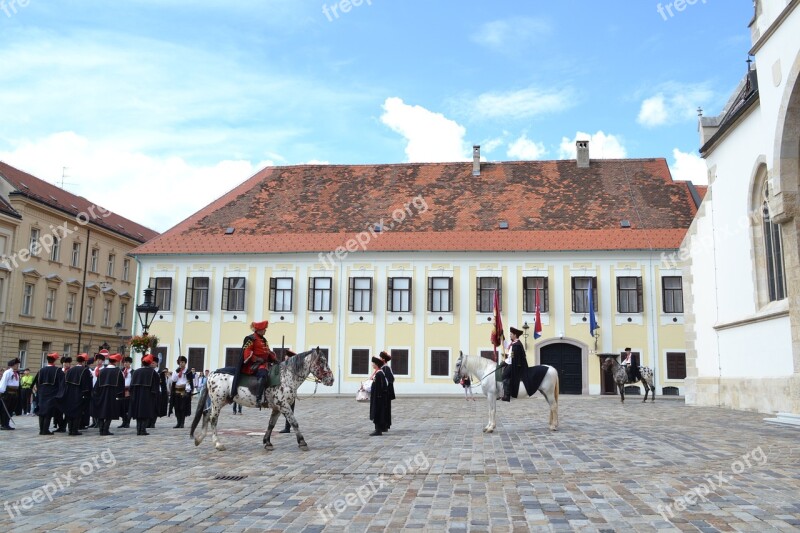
column 155, row 192
column 520, row 104
column 524, row 148
column 431, row 137
column 601, row 146
column 690, row 167
column 491, row 145
column 673, row 102
column 511, row 35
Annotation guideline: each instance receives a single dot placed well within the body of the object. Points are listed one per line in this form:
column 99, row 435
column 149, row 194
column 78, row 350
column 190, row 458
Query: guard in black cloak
column 387, row 371
column 59, row 420
column 162, row 404
column 512, row 373
column 145, row 390
column 50, row 387
column 379, row 399
column 78, row 392
column 108, row 393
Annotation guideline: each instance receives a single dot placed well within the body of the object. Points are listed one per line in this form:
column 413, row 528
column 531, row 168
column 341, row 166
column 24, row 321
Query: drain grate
column 229, row 478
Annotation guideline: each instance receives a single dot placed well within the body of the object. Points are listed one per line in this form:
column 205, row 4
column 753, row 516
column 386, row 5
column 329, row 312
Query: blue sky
column 157, row 107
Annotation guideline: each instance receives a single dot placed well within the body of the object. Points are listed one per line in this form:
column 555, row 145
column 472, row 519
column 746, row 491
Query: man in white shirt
column 10, row 395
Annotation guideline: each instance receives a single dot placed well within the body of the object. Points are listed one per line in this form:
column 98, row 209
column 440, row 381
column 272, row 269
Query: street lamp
column 147, row 311
column 525, row 328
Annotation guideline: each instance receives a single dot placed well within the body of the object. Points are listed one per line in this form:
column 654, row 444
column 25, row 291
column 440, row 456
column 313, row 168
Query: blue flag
column 592, row 320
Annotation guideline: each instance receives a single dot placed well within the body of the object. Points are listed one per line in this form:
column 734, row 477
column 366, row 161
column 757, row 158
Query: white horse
column 293, row 373
column 484, row 369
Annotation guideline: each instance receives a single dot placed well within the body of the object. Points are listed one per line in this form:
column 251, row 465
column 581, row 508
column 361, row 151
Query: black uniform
column 513, row 372
column 379, row 403
column 77, row 395
column 162, row 404
column 181, row 395
column 107, row 397
column 50, row 388
column 387, row 371
column 145, row 392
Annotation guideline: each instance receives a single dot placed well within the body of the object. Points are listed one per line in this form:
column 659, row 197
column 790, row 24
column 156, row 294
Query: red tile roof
column 32, row 187
column 548, row 205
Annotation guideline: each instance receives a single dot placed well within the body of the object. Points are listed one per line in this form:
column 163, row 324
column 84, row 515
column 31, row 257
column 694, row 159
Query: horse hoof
column 485, row 430
column 197, row 442
column 220, row 447
column 268, row 447
column 303, row 447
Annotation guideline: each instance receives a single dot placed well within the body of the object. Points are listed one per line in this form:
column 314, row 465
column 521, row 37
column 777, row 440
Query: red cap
column 148, row 359
column 103, row 352
column 116, row 358
column 82, row 357
column 53, row 356
column 260, row 325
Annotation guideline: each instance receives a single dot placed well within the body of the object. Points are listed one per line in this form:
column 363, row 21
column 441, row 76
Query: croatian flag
column 592, row 320
column 537, row 328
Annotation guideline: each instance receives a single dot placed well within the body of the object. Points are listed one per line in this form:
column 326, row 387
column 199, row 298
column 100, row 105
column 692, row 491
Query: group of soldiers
column 79, row 396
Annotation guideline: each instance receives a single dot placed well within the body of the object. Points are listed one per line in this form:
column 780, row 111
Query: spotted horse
column 279, row 398
column 620, row 376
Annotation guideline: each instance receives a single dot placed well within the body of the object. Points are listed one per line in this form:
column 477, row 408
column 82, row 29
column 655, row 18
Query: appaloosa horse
column 621, row 378
column 484, row 369
column 293, row 373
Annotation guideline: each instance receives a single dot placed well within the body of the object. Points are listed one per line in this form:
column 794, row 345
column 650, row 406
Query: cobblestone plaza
column 638, row 467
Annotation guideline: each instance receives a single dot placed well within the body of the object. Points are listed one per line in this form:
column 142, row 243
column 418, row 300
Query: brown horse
column 621, row 378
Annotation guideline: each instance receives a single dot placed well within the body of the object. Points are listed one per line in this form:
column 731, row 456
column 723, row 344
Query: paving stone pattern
column 608, row 468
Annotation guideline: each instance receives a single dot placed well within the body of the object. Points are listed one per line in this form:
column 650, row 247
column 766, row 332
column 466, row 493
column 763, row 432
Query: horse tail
column 201, row 404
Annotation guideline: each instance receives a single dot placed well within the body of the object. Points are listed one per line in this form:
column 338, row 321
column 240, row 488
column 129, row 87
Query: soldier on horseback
column 256, row 359
column 631, row 369
column 512, row 373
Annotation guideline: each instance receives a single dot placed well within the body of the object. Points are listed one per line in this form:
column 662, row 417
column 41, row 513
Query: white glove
column 188, row 389
column 508, row 360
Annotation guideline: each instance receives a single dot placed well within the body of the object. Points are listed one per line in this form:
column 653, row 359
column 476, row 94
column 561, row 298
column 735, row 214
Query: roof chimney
column 476, row 160
column 583, row 153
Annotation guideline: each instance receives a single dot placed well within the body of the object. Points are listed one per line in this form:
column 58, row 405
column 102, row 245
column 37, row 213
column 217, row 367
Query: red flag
column 537, row 328
column 497, row 331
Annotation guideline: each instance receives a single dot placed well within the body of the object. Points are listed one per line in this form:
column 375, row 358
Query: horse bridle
column 459, row 366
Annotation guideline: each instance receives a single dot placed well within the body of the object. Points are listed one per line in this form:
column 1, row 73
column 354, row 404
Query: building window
column 676, row 365
column 94, row 259
column 50, row 304
column 440, row 295
column 232, row 357
column 123, row 314
column 35, row 246
column 71, row 299
column 22, row 353
column 399, row 362
column 360, row 298
column 530, row 286
column 233, row 294
column 672, row 289
column 360, row 362
column 27, row 299
column 89, row 310
column 580, row 294
column 47, row 347
column 67, row 350
column 197, row 294
column 440, row 362
column 196, row 358
column 280, row 294
column 76, row 255
column 126, row 269
column 163, row 288
column 489, row 354
column 629, row 294
column 319, row 294
column 399, row 298
column 111, row 260
column 773, row 248
column 55, row 249
column 486, row 290
column 106, row 312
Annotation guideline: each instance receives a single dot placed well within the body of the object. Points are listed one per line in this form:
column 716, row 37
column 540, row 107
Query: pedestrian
column 10, row 395
column 387, row 371
column 379, row 399
column 78, row 383
column 145, row 390
column 235, row 405
column 108, row 393
column 26, row 382
column 287, row 428
column 181, row 393
column 49, row 386
column 467, row 384
column 515, row 365
column 127, row 375
column 202, row 381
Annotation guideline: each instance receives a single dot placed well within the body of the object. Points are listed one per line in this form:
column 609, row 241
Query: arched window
column 773, row 251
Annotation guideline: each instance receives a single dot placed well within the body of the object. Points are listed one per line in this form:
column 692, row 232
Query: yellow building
column 356, row 259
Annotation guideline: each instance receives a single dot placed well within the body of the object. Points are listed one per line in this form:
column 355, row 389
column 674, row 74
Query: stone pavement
column 608, row 468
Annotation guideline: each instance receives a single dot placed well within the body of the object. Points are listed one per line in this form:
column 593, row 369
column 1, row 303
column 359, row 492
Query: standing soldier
column 127, row 374
column 59, row 422
column 78, row 391
column 108, row 393
column 181, row 392
column 99, row 359
column 256, row 360
column 49, row 386
column 145, row 389
column 10, row 395
column 163, row 398
column 387, row 371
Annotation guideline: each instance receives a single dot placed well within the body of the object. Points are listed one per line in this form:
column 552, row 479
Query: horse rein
column 480, row 381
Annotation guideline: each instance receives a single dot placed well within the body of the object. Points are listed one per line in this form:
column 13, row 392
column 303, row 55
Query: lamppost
column 525, row 328
column 147, row 311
